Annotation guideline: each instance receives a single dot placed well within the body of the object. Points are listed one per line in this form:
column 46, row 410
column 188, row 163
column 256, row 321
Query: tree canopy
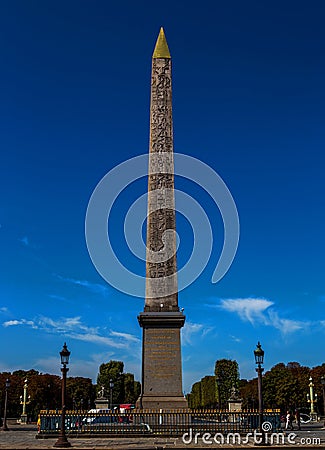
column 125, row 389
column 226, row 373
column 45, row 390
column 285, row 386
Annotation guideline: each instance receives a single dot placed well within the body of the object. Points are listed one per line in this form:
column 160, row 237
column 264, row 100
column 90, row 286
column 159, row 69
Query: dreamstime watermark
column 98, row 238
column 255, row 437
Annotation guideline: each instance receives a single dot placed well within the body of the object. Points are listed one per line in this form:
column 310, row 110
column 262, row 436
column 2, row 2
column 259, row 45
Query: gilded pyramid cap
column 161, row 49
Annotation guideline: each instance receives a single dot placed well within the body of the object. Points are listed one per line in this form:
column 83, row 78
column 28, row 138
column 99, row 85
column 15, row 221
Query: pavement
column 24, row 437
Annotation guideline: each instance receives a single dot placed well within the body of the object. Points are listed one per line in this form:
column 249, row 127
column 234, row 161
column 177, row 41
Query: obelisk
column 161, row 320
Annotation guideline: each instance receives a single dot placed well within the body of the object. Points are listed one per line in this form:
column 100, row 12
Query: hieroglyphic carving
column 161, row 126
column 161, row 203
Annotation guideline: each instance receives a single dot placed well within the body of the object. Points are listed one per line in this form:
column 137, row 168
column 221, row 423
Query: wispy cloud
column 191, row 330
column 74, row 328
column 12, row 323
column 62, row 325
column 260, row 311
column 25, row 241
column 286, row 325
column 126, row 336
column 250, row 309
column 81, row 367
column 96, row 338
column 96, row 288
column 57, row 297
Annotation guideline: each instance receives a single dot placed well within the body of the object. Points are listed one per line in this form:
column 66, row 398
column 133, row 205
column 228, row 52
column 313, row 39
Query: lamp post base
column 62, row 442
column 23, row 418
column 313, row 416
column 4, row 427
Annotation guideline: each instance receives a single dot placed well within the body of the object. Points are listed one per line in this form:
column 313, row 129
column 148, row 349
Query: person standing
column 289, row 420
column 38, row 424
column 298, row 418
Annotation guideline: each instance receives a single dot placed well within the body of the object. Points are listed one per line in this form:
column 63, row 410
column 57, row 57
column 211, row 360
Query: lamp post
column 24, row 402
column 5, row 427
column 322, row 380
column 312, row 399
column 111, row 387
column 259, row 359
column 62, row 440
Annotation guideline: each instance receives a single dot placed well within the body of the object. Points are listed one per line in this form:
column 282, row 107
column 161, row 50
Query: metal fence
column 153, row 423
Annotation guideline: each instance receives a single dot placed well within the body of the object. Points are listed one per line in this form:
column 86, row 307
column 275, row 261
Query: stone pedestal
column 235, row 405
column 161, row 361
column 234, row 402
column 102, row 403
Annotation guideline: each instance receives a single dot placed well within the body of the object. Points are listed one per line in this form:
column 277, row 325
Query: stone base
column 155, row 403
column 161, row 361
column 102, row 403
column 235, row 405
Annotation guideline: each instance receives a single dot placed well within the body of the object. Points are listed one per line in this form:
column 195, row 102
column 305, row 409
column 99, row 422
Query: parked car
column 99, row 420
column 305, row 418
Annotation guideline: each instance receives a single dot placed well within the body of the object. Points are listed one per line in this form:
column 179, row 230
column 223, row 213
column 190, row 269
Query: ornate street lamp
column 111, row 387
column 24, row 402
column 62, row 440
column 259, row 359
column 5, row 427
column 312, row 399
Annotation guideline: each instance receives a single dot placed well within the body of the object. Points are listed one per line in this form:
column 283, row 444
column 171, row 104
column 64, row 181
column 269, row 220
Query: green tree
column 317, row 373
column 112, row 371
column 208, row 392
column 227, row 376
column 125, row 390
column 248, row 392
column 131, row 388
column 14, row 392
column 80, row 393
column 284, row 387
column 195, row 396
column 45, row 393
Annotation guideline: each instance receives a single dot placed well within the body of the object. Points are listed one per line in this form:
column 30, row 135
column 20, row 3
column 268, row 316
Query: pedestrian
column 298, row 418
column 289, row 420
column 39, row 424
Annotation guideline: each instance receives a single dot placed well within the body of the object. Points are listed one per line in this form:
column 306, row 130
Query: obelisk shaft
column 161, row 321
column 161, row 268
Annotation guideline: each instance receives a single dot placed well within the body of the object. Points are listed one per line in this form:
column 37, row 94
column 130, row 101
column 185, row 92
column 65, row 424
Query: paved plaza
column 23, row 437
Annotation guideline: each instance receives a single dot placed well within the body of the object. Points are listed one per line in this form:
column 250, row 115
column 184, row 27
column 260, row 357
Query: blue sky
column 248, row 100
